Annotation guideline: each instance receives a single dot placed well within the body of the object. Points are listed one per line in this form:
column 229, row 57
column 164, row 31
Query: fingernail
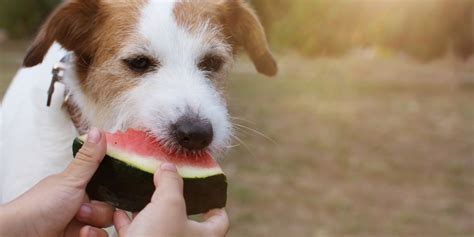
column 93, row 136
column 85, row 211
column 168, row 167
column 91, row 232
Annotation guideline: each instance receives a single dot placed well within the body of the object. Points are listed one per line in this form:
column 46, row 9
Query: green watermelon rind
column 130, row 188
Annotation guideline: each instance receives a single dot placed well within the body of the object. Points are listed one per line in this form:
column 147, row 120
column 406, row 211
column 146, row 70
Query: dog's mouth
column 172, row 148
column 190, row 136
column 146, row 143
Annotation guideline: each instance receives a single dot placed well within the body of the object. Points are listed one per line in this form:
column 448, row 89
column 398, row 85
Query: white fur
column 178, row 87
column 37, row 139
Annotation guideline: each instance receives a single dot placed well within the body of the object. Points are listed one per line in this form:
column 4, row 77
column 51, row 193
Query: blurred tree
column 423, row 34
column 459, row 18
column 314, row 27
column 21, row 18
column 422, row 28
column 430, row 28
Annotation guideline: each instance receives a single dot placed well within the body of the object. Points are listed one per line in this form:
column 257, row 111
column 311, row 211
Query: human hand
column 58, row 205
column 165, row 215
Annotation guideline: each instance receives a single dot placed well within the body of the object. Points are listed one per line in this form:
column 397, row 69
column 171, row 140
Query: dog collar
column 71, row 108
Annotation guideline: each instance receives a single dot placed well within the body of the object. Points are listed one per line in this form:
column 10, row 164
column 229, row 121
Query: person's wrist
column 2, row 220
column 11, row 223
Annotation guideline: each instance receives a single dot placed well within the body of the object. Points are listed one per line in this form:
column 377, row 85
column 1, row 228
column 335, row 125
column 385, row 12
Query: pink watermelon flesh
column 145, row 146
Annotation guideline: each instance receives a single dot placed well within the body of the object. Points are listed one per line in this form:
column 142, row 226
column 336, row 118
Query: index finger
column 217, row 221
column 168, row 182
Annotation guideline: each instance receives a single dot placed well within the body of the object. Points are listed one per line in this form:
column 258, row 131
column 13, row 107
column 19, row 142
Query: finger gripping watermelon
column 125, row 177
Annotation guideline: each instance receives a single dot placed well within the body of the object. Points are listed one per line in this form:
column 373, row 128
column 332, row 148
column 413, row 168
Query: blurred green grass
column 356, row 147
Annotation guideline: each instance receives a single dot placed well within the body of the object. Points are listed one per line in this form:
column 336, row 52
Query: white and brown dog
column 154, row 65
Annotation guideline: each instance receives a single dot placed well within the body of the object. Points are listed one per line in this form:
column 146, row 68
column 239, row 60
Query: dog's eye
column 140, row 64
column 211, row 63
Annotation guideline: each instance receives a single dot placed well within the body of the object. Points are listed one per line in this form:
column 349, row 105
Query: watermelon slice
column 125, row 177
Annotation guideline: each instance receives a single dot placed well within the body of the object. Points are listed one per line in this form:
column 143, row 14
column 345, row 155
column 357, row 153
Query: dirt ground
column 346, row 147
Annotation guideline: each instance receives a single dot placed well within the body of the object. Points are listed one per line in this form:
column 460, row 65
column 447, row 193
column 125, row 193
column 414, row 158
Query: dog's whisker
column 242, row 131
column 255, row 132
column 245, row 145
column 243, row 119
column 212, row 156
column 232, row 146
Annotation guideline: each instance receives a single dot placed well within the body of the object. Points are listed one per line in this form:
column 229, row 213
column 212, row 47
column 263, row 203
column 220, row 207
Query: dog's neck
column 75, row 114
column 80, row 123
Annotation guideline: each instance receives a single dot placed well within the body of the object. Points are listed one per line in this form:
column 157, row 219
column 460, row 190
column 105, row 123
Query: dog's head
column 157, row 65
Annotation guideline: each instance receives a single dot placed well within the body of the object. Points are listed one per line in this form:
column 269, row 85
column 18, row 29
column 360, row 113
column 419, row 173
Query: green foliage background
column 21, row 18
column 424, row 28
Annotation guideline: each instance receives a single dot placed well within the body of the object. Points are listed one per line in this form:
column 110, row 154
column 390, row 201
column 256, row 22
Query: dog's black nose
column 193, row 133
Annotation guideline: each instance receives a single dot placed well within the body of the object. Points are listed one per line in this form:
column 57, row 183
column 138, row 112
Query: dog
column 153, row 65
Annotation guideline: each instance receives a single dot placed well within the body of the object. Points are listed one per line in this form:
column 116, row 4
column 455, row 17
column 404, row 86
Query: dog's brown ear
column 70, row 25
column 245, row 30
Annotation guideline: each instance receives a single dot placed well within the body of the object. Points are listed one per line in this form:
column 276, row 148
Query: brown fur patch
column 246, row 31
column 240, row 27
column 192, row 14
column 95, row 31
column 101, row 79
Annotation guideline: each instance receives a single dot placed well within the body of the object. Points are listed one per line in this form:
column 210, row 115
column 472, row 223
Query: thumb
column 88, row 159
